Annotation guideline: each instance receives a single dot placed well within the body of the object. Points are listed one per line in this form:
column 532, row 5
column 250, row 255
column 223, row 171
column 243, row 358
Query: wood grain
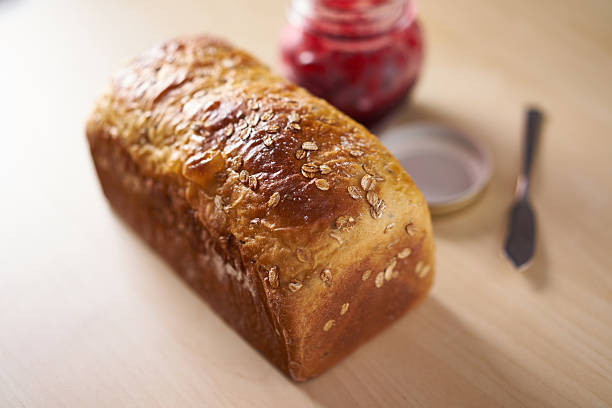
column 90, row 317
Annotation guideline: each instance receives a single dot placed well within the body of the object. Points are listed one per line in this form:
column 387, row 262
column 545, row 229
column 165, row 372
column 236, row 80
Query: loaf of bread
column 291, row 220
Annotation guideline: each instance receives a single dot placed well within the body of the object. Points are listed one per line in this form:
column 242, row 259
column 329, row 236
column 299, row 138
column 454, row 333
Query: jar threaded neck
column 349, row 18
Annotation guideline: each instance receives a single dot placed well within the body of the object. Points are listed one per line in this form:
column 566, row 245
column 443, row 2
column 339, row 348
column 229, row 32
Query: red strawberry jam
column 363, row 56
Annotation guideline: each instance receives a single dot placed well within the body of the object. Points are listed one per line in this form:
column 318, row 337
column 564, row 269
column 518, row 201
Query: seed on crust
column 253, row 182
column 295, row 285
column 242, row 124
column 366, row 275
column 389, row 227
column 228, row 130
column 354, row 192
column 377, row 211
column 267, row 115
column 295, row 126
column 411, row 229
column 245, row 133
column 328, row 325
column 253, row 119
column 244, row 176
column 312, row 146
column 308, row 174
column 367, row 182
column 325, row 169
column 310, row 167
column 268, row 141
column 344, row 308
column 302, row 255
column 326, row 277
column 372, row 198
column 404, row 253
column 421, row 270
column 272, row 129
column 389, row 269
column 392, row 243
column 418, row 267
column 300, row 154
column 369, row 169
column 380, row 208
column 322, row 184
column 253, row 104
column 380, row 279
column 274, row 200
column 345, row 222
column 273, row 277
column 356, row 153
column 425, row 271
column 293, row 117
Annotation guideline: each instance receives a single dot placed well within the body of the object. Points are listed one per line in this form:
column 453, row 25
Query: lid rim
column 477, row 161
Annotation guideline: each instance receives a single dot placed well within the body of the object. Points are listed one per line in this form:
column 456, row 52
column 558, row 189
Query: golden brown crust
column 299, row 198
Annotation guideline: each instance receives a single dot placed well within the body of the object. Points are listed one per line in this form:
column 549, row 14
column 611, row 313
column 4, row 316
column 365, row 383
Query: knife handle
column 532, row 134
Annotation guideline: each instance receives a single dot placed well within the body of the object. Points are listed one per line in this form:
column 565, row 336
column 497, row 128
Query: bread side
column 297, row 226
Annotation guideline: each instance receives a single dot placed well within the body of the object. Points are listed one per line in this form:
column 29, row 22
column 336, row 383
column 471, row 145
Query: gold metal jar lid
column 450, row 170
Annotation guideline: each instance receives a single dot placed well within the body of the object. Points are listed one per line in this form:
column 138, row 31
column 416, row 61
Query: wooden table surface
column 90, row 317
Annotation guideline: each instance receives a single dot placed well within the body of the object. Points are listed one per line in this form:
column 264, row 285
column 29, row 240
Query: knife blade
column 519, row 245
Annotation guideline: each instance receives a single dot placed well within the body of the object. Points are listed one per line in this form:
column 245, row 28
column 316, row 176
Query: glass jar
column 363, row 56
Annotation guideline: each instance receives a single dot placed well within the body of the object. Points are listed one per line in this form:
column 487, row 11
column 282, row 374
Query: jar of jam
column 363, row 56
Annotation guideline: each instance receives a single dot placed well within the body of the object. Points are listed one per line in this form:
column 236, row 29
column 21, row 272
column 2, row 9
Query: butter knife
column 519, row 246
